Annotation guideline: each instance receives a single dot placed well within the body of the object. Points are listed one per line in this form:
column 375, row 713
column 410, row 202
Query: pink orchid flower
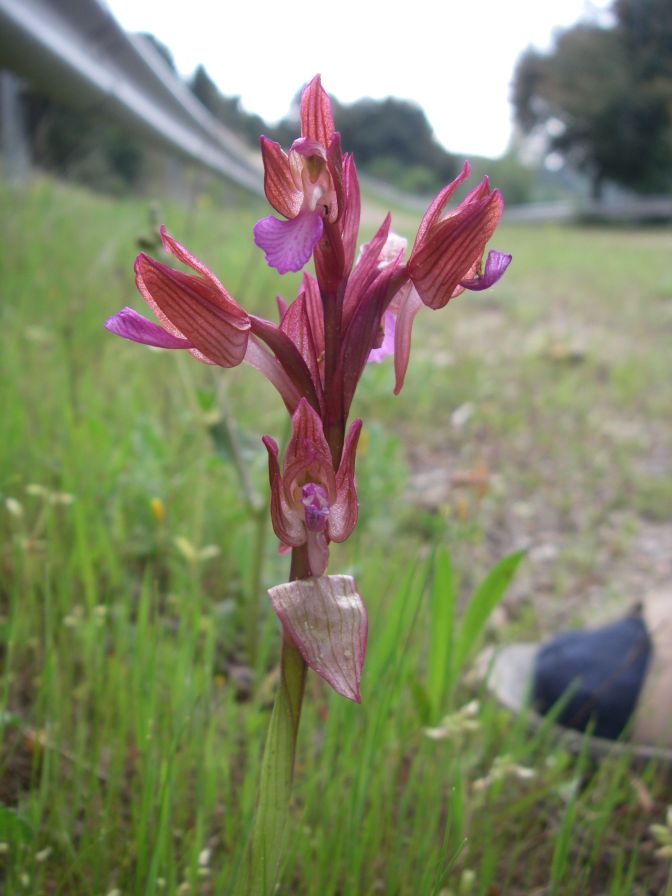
column 446, row 259
column 311, row 503
column 299, row 186
column 447, row 256
column 196, row 312
column 314, row 187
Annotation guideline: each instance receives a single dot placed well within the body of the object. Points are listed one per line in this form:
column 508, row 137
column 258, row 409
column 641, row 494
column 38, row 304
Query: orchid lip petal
column 316, row 506
column 130, row 325
column 288, row 245
column 317, row 548
column 325, row 618
column 495, row 267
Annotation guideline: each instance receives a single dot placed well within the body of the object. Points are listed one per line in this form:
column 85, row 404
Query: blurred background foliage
column 592, row 114
column 603, row 97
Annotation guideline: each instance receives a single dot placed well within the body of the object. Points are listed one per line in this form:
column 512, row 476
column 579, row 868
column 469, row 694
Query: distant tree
column 391, row 139
column 396, row 131
column 161, row 49
column 226, row 109
column 82, row 146
column 645, row 28
column 205, row 90
column 604, row 98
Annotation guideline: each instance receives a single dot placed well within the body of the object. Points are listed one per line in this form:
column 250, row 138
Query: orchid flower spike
column 344, row 315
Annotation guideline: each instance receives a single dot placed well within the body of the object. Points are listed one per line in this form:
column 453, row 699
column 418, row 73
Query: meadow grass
column 535, row 417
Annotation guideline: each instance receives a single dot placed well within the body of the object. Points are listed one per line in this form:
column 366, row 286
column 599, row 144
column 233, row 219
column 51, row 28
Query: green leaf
column 272, row 823
column 14, row 828
column 207, row 401
column 486, row 597
column 442, row 632
column 421, row 701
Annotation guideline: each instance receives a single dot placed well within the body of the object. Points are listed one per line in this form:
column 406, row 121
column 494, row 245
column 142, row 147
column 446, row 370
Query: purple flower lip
column 314, row 499
column 130, row 325
column 495, row 267
column 288, row 245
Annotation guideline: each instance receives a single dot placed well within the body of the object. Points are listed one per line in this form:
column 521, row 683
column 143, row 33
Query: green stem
column 253, row 604
column 269, row 836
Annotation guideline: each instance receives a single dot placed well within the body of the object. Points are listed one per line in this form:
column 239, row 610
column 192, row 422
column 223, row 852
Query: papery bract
column 392, row 251
column 325, row 619
column 407, row 303
column 303, row 322
column 386, row 347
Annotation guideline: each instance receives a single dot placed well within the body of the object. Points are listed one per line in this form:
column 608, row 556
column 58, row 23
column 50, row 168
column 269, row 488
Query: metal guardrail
column 631, row 210
column 77, row 52
column 635, row 210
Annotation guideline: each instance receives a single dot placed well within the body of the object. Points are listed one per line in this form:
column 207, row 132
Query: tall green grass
column 133, row 719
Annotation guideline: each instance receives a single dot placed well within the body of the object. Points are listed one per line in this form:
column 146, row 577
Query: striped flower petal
column 317, row 117
column 196, row 308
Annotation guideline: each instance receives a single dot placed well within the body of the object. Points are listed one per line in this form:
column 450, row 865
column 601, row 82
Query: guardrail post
column 14, row 145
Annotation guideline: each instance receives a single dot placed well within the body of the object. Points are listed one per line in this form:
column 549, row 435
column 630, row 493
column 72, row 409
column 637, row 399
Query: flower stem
column 269, row 835
column 254, row 598
column 333, row 422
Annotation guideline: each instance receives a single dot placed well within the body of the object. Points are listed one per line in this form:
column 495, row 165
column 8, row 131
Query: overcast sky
column 455, row 59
